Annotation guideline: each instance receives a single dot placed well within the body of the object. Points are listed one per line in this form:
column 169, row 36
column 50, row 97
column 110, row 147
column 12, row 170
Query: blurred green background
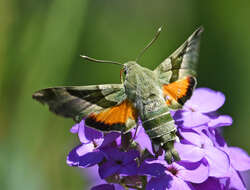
column 40, row 44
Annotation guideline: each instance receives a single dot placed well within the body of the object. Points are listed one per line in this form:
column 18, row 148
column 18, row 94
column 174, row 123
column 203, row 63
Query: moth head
column 128, row 66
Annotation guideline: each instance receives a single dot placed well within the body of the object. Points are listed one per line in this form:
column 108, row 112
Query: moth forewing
column 183, row 61
column 177, row 73
column 79, row 101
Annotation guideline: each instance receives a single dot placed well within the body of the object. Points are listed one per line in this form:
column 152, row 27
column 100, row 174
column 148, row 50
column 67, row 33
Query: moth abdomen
column 159, row 125
column 161, row 129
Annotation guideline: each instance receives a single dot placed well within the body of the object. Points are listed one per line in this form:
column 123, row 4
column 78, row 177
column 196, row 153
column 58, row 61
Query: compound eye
column 123, row 73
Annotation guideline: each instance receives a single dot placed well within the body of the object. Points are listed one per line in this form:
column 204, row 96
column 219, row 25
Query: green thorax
column 140, row 82
column 143, row 88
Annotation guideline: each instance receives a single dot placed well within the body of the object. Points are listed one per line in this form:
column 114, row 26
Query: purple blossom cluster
column 127, row 161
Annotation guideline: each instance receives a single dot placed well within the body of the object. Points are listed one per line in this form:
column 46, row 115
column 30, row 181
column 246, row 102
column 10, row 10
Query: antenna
column 100, row 61
column 150, row 43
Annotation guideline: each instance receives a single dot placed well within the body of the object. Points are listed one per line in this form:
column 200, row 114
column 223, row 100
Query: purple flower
column 118, row 162
column 108, row 187
column 175, row 176
column 219, row 121
column 245, row 177
column 211, row 183
column 206, row 160
column 85, row 155
column 90, row 151
column 239, row 159
column 199, row 110
column 86, row 134
column 167, row 182
column 197, row 147
column 104, row 187
column 235, row 180
column 142, row 139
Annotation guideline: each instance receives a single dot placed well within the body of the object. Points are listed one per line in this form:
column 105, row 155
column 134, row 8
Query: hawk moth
column 144, row 93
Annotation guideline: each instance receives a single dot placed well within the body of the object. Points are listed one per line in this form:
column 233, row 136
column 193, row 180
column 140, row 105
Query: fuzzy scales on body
column 144, row 88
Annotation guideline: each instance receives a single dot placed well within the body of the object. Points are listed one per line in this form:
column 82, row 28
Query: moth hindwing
column 147, row 94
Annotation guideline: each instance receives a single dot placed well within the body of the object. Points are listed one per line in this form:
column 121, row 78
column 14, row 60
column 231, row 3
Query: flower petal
column 151, row 168
column 239, row 159
column 191, row 136
column 218, row 161
column 207, row 142
column 109, row 138
column 216, row 138
column 236, row 181
column 81, row 135
column 114, row 154
column 92, row 134
column 246, row 176
column 159, row 183
column 129, row 156
column 179, row 184
column 91, row 159
column 82, row 157
column 87, row 134
column 188, row 152
column 84, row 149
column 108, row 168
column 143, row 140
column 73, row 157
column 74, row 128
column 119, row 187
column 194, row 119
column 129, row 169
column 104, row 187
column 222, row 120
column 210, row 184
column 192, row 172
column 205, row 100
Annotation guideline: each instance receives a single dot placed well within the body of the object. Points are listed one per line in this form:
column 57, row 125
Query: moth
column 143, row 93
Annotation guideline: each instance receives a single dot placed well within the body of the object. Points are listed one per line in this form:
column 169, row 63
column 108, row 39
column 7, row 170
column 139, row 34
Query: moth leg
column 170, row 152
column 126, row 140
column 132, row 137
column 136, row 130
column 157, row 150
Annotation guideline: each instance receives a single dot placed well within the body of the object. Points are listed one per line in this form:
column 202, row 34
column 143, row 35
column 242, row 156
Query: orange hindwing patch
column 113, row 118
column 179, row 91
